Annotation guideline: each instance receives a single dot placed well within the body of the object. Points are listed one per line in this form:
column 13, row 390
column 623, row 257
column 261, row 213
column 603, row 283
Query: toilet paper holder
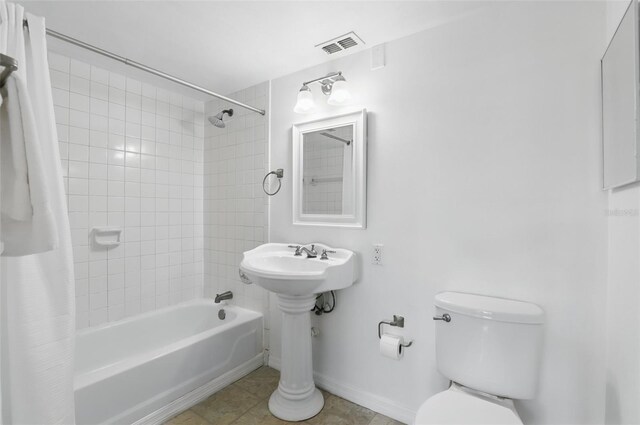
column 397, row 321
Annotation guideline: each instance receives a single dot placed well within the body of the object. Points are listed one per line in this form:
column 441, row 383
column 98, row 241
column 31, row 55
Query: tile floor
column 245, row 402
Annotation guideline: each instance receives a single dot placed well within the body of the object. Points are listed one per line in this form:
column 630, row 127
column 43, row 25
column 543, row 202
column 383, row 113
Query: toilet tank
column 490, row 344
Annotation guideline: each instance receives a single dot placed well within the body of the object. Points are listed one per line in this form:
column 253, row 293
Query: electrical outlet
column 377, row 254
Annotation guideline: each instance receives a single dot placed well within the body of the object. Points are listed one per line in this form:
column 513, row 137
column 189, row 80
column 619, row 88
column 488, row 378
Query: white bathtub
column 146, row 368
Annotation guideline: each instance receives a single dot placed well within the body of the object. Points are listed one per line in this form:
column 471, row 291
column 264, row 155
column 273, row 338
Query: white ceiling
column 229, row 45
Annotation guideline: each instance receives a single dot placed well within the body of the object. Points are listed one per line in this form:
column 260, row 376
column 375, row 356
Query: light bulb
column 305, row 103
column 339, row 92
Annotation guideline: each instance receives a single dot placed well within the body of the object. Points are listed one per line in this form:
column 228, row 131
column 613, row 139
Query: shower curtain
column 37, row 307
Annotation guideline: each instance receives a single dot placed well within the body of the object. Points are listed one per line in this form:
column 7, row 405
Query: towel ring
column 278, row 173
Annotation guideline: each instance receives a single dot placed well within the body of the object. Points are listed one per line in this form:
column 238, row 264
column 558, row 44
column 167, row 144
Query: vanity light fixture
column 333, row 85
column 339, row 92
column 305, row 103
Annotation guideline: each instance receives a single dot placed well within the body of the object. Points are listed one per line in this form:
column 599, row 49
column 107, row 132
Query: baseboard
column 274, row 362
column 356, row 395
column 196, row 396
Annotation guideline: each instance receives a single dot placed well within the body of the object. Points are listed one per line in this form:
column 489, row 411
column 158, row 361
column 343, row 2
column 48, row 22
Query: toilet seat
column 460, row 405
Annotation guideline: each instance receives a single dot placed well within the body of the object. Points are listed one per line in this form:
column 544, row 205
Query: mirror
column 326, row 164
column 620, row 80
column 329, row 171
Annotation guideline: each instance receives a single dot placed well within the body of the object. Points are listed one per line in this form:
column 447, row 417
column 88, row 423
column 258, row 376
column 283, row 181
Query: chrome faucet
column 298, row 250
column 224, row 296
column 311, row 253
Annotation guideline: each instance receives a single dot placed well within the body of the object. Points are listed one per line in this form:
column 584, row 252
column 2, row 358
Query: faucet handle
column 324, row 255
column 297, row 247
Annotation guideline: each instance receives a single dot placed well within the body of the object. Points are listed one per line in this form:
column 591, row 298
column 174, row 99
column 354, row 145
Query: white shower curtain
column 37, row 305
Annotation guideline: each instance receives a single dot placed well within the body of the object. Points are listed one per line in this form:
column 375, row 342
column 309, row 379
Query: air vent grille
column 342, row 43
column 347, row 42
column 331, row 48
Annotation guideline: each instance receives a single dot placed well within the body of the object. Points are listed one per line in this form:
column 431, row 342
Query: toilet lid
column 456, row 406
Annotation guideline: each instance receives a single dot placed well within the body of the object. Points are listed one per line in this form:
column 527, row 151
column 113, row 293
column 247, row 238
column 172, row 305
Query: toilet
column 490, row 350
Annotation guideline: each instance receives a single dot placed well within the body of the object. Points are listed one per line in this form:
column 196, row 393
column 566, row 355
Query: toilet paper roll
column 390, row 346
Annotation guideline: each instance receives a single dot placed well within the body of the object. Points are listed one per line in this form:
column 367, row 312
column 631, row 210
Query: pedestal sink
column 296, row 280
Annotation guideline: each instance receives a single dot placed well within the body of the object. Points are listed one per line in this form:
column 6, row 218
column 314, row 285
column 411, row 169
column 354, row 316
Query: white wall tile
column 79, row 85
column 80, row 69
column 234, row 161
column 58, row 62
column 117, row 175
column 59, row 79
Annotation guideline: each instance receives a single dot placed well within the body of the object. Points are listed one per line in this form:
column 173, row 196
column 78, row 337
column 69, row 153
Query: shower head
column 218, row 120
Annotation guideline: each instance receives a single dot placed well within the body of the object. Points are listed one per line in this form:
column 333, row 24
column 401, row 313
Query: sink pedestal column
column 297, row 397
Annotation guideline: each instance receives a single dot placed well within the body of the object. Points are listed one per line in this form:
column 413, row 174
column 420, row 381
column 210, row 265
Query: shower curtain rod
column 339, row 139
column 145, row 68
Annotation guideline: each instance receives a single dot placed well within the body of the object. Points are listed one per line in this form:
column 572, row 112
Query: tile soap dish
column 106, row 236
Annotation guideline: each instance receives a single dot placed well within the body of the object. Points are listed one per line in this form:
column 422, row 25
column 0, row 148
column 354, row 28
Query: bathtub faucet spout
column 224, row 296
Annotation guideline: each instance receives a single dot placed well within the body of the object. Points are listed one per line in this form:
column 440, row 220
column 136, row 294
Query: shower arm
column 145, row 68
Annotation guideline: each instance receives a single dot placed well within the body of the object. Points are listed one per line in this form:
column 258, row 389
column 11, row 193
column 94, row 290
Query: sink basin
column 274, row 267
column 296, row 280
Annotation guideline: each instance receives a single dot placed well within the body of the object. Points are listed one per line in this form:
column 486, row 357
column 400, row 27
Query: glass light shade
column 339, row 93
column 305, row 103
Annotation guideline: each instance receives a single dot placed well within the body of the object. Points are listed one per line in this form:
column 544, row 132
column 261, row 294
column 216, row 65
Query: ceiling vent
column 348, row 41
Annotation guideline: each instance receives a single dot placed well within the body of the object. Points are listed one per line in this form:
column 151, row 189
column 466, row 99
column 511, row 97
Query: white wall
column 484, row 176
column 623, row 296
column 132, row 157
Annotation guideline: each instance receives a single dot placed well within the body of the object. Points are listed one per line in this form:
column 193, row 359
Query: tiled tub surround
column 235, row 205
column 133, row 158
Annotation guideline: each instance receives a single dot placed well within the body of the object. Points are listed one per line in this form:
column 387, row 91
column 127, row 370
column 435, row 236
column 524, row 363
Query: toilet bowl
column 459, row 405
column 490, row 350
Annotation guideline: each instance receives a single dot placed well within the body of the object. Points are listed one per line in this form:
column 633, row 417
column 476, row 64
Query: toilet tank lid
column 492, row 308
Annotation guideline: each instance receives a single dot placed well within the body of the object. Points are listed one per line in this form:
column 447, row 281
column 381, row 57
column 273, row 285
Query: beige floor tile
column 226, row 406
column 261, row 382
column 246, row 402
column 338, row 411
column 384, row 420
column 187, row 418
column 260, row 415
column 326, row 394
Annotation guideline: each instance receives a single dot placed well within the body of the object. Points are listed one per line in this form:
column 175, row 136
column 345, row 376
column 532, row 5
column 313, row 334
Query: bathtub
column 147, row 368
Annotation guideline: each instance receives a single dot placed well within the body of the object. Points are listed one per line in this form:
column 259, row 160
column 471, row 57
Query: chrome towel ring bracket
column 278, row 173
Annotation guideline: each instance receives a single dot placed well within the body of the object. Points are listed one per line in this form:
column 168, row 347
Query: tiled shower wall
column 133, row 158
column 235, row 205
